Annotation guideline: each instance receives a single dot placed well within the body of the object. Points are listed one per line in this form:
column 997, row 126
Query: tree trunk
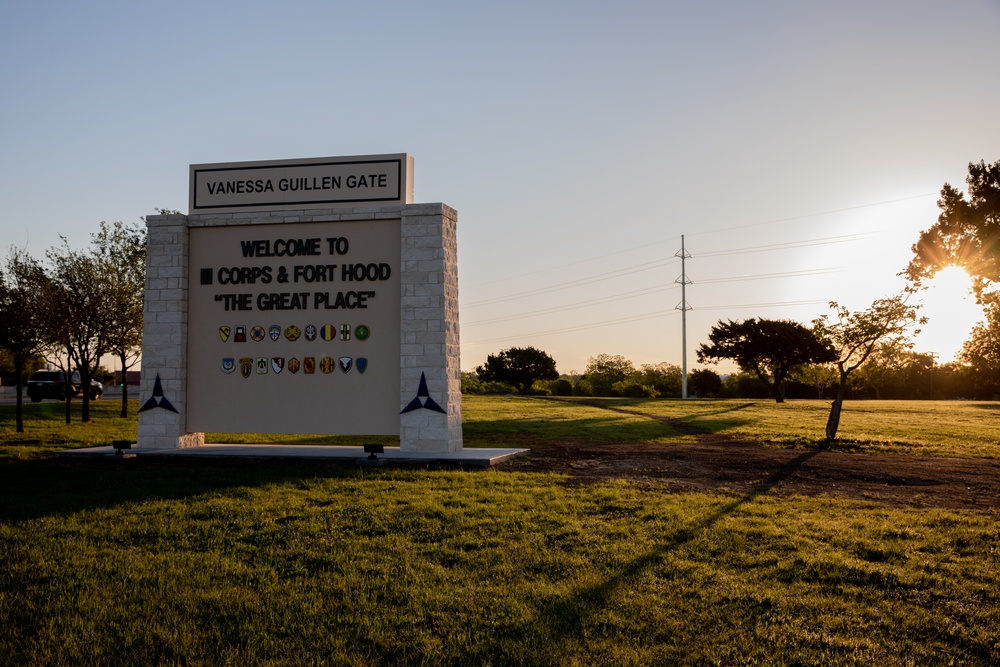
column 85, row 408
column 68, row 378
column 85, row 393
column 19, row 410
column 833, row 421
column 124, row 387
column 778, row 392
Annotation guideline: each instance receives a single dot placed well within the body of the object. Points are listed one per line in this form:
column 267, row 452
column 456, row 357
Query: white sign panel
column 295, row 328
column 301, row 184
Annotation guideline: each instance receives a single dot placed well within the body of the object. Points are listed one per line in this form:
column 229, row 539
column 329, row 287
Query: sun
column 951, row 312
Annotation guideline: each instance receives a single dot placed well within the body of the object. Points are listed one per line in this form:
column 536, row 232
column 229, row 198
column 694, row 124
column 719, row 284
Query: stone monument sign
column 302, row 296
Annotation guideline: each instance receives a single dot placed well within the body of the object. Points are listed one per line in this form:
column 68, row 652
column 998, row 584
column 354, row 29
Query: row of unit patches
column 266, row 365
column 292, row 333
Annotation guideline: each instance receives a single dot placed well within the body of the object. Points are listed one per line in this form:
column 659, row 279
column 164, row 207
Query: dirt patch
column 718, row 463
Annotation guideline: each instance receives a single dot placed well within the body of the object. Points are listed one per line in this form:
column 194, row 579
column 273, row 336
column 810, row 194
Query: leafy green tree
column 967, row 232
column 80, row 317
column 818, row 376
column 884, row 366
column 120, row 251
column 561, row 387
column 705, row 383
column 856, row 335
column 22, row 282
column 744, row 385
column 665, row 378
column 519, row 367
column 769, row 349
column 604, row 370
column 981, row 353
column 633, row 388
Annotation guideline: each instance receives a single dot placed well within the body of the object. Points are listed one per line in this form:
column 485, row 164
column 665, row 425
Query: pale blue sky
column 578, row 141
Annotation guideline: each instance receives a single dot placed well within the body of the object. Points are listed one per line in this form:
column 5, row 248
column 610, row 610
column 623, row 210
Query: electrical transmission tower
column 683, row 307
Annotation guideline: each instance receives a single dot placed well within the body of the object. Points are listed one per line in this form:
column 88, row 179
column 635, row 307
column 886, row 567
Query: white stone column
column 163, row 389
column 430, row 369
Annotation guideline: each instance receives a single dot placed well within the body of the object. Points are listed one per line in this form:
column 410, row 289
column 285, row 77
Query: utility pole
column 683, row 307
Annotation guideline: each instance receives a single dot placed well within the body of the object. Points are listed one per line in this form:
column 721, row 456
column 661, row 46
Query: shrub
column 561, row 387
column 632, row 389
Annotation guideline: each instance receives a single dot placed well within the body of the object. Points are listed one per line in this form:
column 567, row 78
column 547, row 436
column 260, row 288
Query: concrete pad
column 483, row 457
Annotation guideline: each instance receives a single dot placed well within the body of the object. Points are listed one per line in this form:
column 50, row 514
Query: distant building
column 131, row 377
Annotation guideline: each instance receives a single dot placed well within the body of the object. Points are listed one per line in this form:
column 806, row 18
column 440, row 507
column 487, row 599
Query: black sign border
column 398, row 198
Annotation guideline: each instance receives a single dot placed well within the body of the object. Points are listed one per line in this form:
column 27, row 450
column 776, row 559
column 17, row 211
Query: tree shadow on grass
column 695, row 424
column 588, row 430
column 567, row 617
column 60, row 487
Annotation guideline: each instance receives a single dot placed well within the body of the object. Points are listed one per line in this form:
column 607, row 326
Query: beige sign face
column 294, row 328
column 301, row 184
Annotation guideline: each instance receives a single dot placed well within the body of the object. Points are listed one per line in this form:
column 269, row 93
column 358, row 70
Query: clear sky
column 798, row 146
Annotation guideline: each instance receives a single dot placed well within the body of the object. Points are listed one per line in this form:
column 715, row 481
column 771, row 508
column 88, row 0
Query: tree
column 705, row 383
column 518, row 367
column 664, row 377
column 604, row 370
column 885, row 365
column 121, row 252
column 80, row 319
column 22, row 282
column 967, row 233
column 855, row 335
column 981, row 353
column 818, row 376
column 767, row 348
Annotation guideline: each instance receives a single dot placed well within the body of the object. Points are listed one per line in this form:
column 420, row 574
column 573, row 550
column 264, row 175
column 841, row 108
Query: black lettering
column 338, row 245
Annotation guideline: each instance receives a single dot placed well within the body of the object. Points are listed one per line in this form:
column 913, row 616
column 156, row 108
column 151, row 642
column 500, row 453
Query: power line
column 816, row 215
column 791, row 245
column 647, row 291
column 645, row 266
column 713, row 231
column 574, row 306
column 642, row 317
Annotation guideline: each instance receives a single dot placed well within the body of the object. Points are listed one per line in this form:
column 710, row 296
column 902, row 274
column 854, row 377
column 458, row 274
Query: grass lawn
column 143, row 561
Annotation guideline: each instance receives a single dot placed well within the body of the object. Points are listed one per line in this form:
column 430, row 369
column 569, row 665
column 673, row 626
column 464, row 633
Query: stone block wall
column 429, row 336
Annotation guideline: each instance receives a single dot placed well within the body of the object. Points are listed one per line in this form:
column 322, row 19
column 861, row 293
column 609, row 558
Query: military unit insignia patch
column 265, row 365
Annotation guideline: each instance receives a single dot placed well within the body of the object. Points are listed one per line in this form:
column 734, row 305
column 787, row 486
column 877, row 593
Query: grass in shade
column 170, row 561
